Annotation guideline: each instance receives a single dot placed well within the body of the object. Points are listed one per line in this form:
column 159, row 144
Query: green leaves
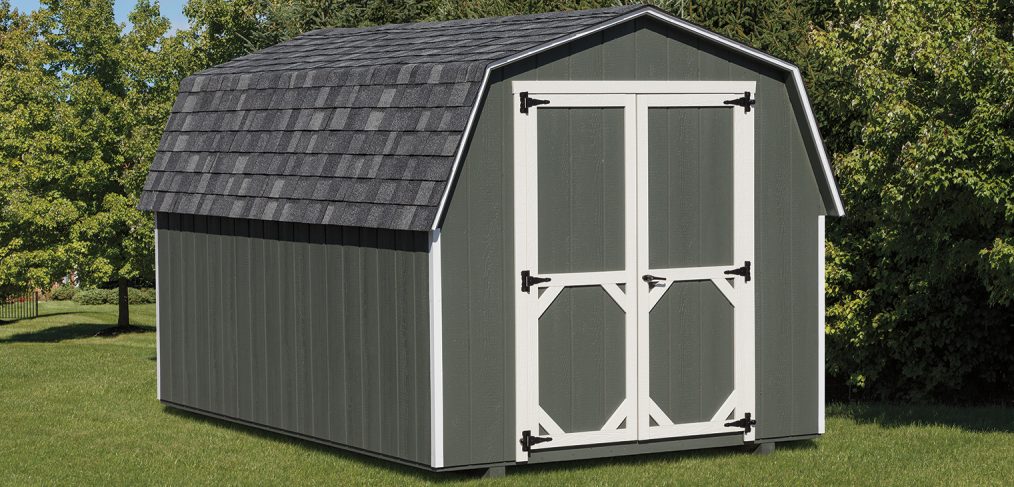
column 914, row 100
column 82, row 107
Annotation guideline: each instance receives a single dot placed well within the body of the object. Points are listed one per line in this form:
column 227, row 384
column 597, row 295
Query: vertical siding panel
column 404, row 283
column 682, row 51
column 259, row 324
column 387, row 343
column 273, row 342
column 422, row 343
column 195, row 350
column 169, row 249
column 371, row 339
column 774, row 300
column 244, row 308
column 338, row 377
column 355, row 345
column 213, row 314
column 287, row 328
column 302, row 323
column 456, row 323
column 652, row 48
column 618, row 43
column 318, row 302
column 806, row 204
column 230, row 340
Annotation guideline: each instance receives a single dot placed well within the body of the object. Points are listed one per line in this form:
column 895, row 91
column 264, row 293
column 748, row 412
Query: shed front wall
column 317, row 330
column 478, row 240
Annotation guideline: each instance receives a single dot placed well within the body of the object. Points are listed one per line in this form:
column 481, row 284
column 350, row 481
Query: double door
column 634, row 250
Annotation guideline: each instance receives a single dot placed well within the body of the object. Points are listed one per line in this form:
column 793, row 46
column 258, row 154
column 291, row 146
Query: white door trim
column 635, row 97
column 741, row 296
column 530, row 306
column 677, row 88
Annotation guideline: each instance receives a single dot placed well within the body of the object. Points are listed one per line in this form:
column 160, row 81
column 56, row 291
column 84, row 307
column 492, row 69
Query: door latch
column 528, row 280
column 652, row 280
column 741, row 271
column 746, row 423
column 745, row 101
column 527, row 440
column 528, row 102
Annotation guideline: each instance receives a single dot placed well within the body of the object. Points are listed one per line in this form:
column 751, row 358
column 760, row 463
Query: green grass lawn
column 76, row 408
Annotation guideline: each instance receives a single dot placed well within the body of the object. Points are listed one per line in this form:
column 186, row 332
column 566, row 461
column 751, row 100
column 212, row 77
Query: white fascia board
column 839, row 208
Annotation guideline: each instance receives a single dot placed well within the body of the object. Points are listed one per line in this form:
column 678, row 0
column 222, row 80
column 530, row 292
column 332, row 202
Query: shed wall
column 317, row 330
column 478, row 241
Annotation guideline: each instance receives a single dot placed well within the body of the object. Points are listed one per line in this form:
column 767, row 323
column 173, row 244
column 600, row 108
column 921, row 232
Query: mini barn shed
column 482, row 243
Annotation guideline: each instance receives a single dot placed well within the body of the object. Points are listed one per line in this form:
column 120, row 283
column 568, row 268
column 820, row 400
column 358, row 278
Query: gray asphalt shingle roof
column 356, row 127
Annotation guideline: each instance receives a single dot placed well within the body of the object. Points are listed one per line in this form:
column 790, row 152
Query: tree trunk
column 124, row 319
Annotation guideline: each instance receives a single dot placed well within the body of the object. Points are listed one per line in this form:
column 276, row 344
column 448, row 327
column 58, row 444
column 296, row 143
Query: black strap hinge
column 527, row 102
column 746, row 423
column 528, row 280
column 527, row 440
column 745, row 101
column 741, row 271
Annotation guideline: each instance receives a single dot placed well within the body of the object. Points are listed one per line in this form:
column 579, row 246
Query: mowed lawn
column 80, row 409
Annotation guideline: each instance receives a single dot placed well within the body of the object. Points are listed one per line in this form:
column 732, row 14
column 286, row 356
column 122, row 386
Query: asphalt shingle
column 355, row 127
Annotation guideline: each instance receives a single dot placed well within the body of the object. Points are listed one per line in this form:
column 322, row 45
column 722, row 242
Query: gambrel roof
column 360, row 127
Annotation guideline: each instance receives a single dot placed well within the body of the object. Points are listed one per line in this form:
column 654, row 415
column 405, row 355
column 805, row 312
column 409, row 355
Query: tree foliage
column 914, row 100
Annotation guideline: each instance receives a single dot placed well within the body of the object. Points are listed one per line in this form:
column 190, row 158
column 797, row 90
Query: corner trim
column 820, row 323
column 158, row 319
column 436, row 354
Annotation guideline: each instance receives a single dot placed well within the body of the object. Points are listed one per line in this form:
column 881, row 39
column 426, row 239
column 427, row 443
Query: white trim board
column 436, row 355
column 820, row 323
column 797, row 78
column 158, row 324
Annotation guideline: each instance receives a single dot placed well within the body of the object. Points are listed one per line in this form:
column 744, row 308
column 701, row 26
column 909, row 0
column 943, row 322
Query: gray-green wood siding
column 318, row 330
column 477, row 236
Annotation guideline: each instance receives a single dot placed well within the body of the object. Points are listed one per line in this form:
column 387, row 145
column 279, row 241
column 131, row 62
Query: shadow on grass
column 409, row 471
column 70, row 331
column 469, row 475
column 652, row 458
column 969, row 418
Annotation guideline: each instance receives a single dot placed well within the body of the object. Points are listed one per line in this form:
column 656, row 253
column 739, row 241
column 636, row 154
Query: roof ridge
column 475, row 21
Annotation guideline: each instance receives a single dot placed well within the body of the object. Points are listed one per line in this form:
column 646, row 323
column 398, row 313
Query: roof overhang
column 827, row 182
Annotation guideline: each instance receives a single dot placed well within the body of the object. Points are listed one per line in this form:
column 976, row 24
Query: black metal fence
column 19, row 306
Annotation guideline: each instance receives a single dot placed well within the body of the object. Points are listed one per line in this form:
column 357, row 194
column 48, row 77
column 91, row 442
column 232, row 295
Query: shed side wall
column 318, row 330
column 477, row 234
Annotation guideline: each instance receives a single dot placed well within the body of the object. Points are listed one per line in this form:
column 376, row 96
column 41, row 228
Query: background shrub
column 95, row 296
column 63, row 293
column 140, row 296
column 111, row 296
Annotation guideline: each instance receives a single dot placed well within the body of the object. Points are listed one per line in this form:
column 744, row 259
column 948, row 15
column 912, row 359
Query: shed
column 483, row 243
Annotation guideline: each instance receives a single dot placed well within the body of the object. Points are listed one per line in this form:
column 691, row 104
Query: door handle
column 652, row 280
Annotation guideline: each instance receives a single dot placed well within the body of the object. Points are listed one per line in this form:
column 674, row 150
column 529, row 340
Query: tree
column 35, row 217
column 914, row 102
column 94, row 100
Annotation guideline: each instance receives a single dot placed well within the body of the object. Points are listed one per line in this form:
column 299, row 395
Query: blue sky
column 171, row 9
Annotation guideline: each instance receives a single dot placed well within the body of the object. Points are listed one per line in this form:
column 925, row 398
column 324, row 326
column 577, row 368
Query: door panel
column 580, row 174
column 691, row 348
column 690, row 197
column 581, row 359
